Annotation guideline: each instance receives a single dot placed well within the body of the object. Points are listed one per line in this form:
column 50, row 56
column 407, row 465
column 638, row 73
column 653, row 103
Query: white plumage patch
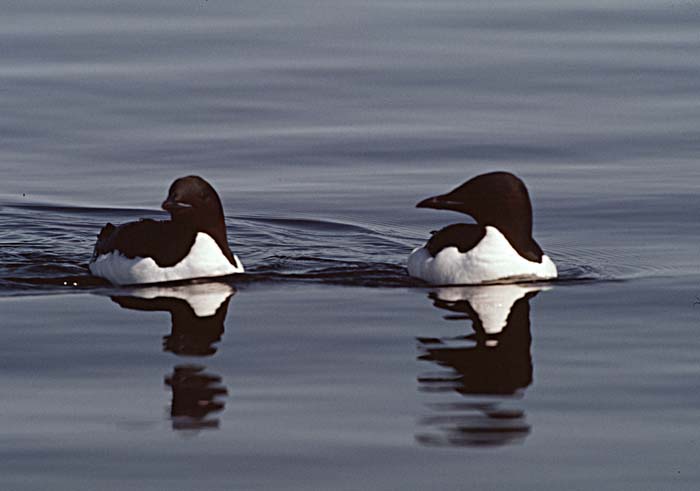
column 492, row 259
column 204, row 298
column 492, row 303
column 205, row 260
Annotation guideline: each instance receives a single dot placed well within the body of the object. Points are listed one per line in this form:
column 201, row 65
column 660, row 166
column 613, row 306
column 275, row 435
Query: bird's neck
column 214, row 227
column 519, row 235
column 218, row 233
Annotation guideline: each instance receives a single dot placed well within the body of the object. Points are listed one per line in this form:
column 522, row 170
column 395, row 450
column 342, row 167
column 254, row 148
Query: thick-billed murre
column 191, row 245
column 498, row 247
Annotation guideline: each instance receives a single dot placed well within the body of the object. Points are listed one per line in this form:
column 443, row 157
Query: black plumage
column 463, row 236
column 167, row 242
column 498, row 199
column 194, row 207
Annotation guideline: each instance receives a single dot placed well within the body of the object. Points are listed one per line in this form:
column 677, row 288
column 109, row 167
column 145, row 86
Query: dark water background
column 321, row 124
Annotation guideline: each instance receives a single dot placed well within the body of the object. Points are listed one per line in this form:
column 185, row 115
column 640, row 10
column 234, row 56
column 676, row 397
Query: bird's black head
column 498, row 199
column 194, row 205
column 193, row 199
column 492, row 199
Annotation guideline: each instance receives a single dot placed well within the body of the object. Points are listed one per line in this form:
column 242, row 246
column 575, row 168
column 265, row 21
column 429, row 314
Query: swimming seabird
column 192, row 244
column 499, row 247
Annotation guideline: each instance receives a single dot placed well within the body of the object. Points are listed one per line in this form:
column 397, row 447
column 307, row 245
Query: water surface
column 321, row 124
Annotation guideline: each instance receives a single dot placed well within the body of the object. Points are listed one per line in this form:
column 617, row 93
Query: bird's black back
column 463, row 236
column 166, row 242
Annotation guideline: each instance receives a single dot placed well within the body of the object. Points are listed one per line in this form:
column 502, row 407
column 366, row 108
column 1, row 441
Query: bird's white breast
column 204, row 260
column 492, row 259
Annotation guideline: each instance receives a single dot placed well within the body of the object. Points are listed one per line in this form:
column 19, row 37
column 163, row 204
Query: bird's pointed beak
column 170, row 205
column 442, row 202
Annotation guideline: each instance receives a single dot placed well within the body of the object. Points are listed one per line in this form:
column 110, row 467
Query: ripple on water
column 52, row 248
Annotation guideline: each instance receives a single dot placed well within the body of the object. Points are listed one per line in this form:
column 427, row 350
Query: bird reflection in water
column 194, row 397
column 197, row 312
column 489, row 367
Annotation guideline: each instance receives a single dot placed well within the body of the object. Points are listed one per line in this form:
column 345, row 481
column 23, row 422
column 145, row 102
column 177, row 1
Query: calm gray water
column 321, row 124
